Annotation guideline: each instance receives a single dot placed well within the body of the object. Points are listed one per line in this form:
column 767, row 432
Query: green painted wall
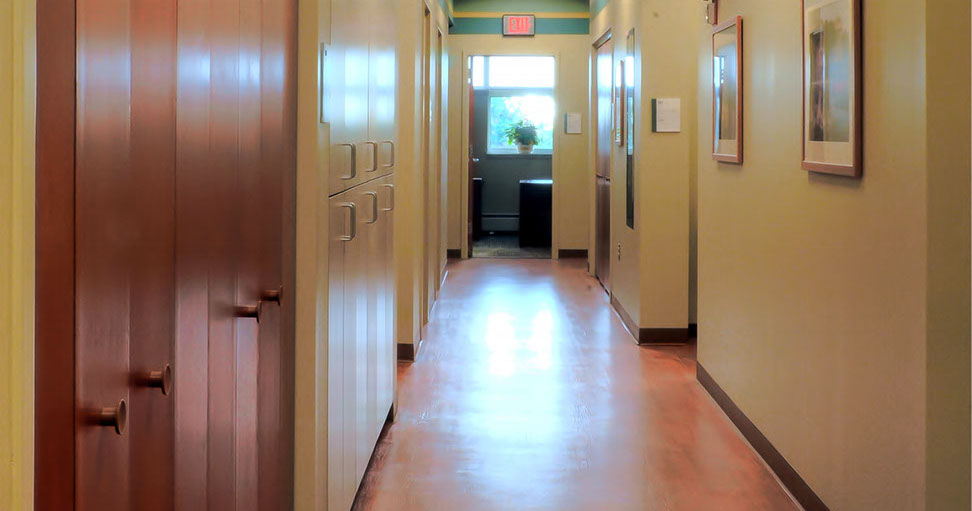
column 597, row 6
column 515, row 6
column 545, row 26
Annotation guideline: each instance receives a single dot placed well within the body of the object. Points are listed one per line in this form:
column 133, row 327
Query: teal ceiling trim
column 597, row 6
column 447, row 7
column 518, row 6
column 545, row 26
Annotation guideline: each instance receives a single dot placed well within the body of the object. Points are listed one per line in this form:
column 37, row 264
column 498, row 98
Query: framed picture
column 727, row 95
column 832, row 99
column 619, row 101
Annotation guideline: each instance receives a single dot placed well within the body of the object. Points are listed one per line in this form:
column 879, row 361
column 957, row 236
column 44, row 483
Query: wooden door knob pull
column 273, row 295
column 112, row 416
column 159, row 380
column 248, row 311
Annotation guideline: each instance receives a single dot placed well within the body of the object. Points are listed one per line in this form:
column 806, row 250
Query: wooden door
column 181, row 201
column 604, row 78
column 473, row 160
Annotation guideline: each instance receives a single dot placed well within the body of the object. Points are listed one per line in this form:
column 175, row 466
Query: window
column 506, row 109
column 520, row 88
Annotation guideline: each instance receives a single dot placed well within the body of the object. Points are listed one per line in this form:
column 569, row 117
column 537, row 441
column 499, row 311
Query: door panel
column 153, row 123
column 106, row 235
column 602, row 224
column 602, row 263
column 341, row 218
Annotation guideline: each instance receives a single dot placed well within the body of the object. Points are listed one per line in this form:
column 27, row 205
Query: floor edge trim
column 791, row 479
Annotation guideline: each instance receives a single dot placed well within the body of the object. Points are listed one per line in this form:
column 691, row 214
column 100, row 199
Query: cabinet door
column 346, row 78
column 386, row 336
column 356, row 362
column 382, row 83
column 376, row 312
column 342, row 223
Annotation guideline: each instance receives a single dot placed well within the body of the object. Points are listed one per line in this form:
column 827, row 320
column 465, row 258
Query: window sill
column 512, row 156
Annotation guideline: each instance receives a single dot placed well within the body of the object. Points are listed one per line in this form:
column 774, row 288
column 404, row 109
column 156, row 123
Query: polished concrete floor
column 529, row 394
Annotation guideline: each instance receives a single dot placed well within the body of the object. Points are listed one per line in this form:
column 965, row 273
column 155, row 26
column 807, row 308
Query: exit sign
column 519, row 24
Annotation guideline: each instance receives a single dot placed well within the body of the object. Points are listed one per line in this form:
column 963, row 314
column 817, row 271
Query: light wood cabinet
column 359, row 79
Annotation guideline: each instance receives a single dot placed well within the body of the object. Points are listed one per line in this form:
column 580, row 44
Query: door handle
column 273, row 295
column 391, row 195
column 475, row 160
column 374, row 151
column 111, row 416
column 248, row 311
column 354, row 221
column 391, row 145
column 158, row 380
column 374, row 206
column 354, row 161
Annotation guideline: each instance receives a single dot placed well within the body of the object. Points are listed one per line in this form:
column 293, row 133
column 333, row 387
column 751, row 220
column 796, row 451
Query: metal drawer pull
column 354, row 161
column 158, row 380
column 354, row 221
column 374, row 206
column 374, row 152
column 392, row 162
column 112, row 416
column 391, row 194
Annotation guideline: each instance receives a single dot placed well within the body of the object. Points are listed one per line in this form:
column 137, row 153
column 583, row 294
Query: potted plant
column 524, row 135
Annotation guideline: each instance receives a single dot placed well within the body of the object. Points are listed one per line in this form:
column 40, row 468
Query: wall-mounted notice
column 666, row 115
column 573, row 124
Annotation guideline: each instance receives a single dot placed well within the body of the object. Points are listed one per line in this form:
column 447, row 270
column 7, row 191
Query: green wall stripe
column 517, row 6
column 545, row 26
column 597, row 6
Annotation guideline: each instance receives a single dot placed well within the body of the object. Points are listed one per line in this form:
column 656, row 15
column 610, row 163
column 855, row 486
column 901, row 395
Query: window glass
column 522, row 72
column 479, row 72
column 505, row 110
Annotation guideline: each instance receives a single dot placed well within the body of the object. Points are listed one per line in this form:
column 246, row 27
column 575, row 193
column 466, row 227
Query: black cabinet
column 536, row 204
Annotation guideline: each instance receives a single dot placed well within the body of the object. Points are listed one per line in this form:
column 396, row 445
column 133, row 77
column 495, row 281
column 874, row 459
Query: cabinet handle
column 354, row 221
column 374, row 207
column 111, row 416
column 354, row 161
column 391, row 144
column 374, row 152
column 161, row 380
column 391, row 194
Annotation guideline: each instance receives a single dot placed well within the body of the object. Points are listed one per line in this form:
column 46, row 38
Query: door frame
column 466, row 176
column 54, row 377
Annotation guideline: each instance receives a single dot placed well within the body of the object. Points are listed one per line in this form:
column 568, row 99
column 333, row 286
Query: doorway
column 511, row 145
column 603, row 111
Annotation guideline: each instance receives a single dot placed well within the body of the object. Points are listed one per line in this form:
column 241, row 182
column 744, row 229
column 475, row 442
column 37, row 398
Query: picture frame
column 630, row 109
column 727, row 91
column 832, row 87
column 619, row 102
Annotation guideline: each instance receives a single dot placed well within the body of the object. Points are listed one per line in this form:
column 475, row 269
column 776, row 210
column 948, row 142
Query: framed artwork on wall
column 619, row 101
column 832, row 78
column 727, row 93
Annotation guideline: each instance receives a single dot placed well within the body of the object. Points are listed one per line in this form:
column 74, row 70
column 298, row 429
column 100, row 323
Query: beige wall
column 17, row 90
column 573, row 177
column 651, row 279
column 816, row 293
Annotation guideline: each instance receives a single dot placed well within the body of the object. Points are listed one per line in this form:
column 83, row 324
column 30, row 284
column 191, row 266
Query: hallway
column 529, row 394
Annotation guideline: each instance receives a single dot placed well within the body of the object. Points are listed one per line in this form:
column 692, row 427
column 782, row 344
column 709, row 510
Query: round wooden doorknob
column 161, row 379
column 112, row 416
